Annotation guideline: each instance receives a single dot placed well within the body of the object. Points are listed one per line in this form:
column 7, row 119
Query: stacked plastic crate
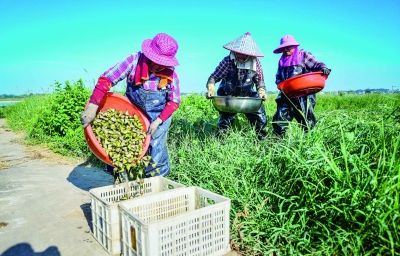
column 105, row 202
column 186, row 221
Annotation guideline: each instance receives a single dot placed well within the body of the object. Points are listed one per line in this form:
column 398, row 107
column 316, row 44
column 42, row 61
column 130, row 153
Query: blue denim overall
column 300, row 108
column 152, row 103
column 240, row 84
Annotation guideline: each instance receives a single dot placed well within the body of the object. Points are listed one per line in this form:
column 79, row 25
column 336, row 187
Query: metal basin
column 236, row 104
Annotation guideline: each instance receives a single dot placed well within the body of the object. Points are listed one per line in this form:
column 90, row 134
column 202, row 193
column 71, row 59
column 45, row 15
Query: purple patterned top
column 308, row 63
column 126, row 69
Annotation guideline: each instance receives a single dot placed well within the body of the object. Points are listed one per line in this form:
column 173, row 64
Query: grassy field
column 332, row 191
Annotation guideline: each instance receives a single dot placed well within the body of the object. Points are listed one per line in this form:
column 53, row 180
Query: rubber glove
column 326, row 71
column 262, row 94
column 211, row 90
column 154, row 125
column 89, row 114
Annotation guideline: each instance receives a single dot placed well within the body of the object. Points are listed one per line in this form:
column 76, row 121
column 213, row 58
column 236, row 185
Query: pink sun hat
column 161, row 50
column 287, row 40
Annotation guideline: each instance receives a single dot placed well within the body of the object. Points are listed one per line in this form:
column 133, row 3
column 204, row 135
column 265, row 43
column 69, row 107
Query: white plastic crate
column 189, row 221
column 105, row 213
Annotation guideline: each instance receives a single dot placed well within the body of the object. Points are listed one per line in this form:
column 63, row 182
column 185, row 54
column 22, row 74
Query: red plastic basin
column 303, row 85
column 117, row 102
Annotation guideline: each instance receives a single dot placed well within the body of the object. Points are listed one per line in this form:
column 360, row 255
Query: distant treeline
column 13, row 96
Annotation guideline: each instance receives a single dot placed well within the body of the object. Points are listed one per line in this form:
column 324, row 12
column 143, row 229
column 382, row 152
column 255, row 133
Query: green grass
column 332, row 191
column 53, row 120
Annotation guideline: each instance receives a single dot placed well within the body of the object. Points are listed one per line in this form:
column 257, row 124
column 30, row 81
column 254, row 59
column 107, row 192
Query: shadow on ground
column 86, row 178
column 26, row 250
column 87, row 212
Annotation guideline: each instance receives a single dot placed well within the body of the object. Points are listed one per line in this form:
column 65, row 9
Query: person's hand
column 154, row 125
column 210, row 91
column 326, row 71
column 262, row 94
column 89, row 114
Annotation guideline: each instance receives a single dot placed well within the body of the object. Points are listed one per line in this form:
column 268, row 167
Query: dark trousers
column 301, row 109
column 257, row 119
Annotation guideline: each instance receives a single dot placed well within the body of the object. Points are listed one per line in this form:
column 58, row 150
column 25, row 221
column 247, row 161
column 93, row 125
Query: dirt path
column 45, row 205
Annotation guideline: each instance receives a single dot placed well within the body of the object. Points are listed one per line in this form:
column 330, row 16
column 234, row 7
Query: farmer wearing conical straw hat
column 294, row 62
column 239, row 73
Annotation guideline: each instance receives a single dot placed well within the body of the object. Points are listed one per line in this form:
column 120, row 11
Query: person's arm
column 278, row 76
column 174, row 99
column 173, row 102
column 102, row 87
column 112, row 76
column 170, row 108
column 108, row 79
column 220, row 72
column 259, row 80
column 312, row 63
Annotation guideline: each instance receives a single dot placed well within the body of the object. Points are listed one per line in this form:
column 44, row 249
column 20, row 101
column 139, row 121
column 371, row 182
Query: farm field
column 331, row 191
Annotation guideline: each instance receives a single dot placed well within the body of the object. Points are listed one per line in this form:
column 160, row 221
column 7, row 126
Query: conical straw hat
column 245, row 45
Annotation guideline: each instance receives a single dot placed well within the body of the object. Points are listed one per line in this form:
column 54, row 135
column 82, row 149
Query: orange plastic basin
column 303, row 85
column 117, row 102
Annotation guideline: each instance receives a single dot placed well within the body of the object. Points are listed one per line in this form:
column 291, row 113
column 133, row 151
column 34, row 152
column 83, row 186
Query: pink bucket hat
column 287, row 40
column 245, row 45
column 161, row 49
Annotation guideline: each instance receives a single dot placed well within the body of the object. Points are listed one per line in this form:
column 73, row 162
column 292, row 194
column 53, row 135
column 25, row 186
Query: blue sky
column 44, row 41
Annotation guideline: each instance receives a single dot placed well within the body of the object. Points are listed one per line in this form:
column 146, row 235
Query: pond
column 7, row 103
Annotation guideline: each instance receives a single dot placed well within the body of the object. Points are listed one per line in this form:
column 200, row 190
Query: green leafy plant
column 63, row 109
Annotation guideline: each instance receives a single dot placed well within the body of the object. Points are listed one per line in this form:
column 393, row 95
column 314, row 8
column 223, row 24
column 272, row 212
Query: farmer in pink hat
column 240, row 72
column 294, row 62
column 152, row 85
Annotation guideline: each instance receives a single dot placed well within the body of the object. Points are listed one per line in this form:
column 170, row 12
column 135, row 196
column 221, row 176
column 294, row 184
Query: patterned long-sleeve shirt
column 126, row 69
column 225, row 66
column 309, row 64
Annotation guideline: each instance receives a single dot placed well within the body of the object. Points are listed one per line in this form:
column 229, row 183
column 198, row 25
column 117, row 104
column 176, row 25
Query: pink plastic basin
column 303, row 85
column 117, row 102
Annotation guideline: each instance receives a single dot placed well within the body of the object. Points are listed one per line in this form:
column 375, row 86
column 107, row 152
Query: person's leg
column 158, row 151
column 299, row 112
column 259, row 121
column 311, row 118
column 109, row 169
column 304, row 112
column 282, row 116
column 225, row 122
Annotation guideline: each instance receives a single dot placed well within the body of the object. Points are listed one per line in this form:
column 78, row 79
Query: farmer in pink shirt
column 152, row 85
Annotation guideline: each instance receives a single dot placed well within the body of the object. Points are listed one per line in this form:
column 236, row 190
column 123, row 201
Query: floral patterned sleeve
column 122, row 69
